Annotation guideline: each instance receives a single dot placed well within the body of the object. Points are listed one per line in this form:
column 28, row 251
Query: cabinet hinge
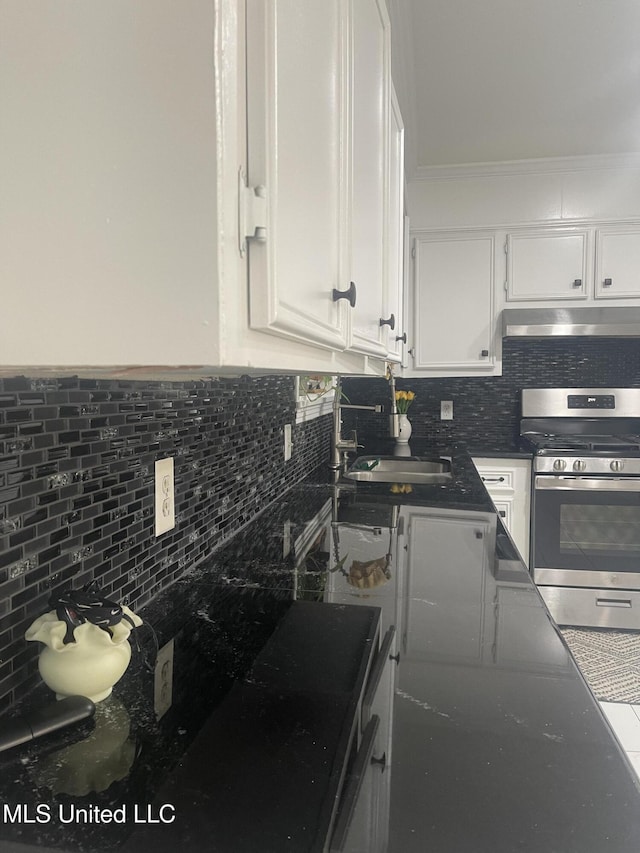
column 252, row 213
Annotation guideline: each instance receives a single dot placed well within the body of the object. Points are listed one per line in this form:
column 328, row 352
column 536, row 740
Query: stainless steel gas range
column 585, row 534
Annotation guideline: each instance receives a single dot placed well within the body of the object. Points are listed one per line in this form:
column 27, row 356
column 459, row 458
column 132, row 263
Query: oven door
column 586, row 532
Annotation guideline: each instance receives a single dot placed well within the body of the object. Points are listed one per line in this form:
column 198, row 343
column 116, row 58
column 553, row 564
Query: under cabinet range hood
column 607, row 322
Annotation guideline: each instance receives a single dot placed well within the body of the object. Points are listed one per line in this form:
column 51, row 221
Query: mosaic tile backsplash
column 487, row 409
column 77, row 463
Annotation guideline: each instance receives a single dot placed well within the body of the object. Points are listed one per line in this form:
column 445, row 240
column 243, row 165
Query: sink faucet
column 341, row 446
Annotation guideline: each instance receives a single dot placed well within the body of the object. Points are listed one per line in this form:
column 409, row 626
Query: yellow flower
column 404, row 400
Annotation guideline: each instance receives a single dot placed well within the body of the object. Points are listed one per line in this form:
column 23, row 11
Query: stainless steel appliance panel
column 597, row 608
column 555, row 402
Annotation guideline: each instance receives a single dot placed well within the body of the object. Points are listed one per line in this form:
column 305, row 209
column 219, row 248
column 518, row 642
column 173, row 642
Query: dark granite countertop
column 495, row 741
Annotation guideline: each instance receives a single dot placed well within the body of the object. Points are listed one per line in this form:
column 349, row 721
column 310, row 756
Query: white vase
column 404, row 429
column 91, row 664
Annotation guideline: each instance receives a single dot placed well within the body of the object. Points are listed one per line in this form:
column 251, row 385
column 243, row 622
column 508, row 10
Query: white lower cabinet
column 372, row 570
column 508, row 482
column 363, row 825
column 453, row 304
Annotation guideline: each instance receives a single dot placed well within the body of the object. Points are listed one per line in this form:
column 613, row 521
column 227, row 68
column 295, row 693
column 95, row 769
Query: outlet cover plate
column 446, row 410
column 288, row 443
column 165, row 496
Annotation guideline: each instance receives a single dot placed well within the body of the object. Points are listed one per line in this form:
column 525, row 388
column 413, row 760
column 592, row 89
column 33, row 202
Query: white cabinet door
column 454, row 302
column 370, row 63
column 508, row 482
column 395, row 332
column 618, row 262
column 447, row 564
column 548, row 265
column 297, row 133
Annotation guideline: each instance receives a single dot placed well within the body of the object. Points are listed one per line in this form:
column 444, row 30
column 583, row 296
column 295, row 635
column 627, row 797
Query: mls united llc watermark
column 23, row 813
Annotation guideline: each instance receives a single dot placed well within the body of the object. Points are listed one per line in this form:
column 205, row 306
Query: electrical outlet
column 165, row 496
column 163, row 680
column 446, row 410
column 288, row 444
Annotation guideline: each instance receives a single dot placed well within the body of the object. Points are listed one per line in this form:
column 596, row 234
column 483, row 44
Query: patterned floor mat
column 609, row 661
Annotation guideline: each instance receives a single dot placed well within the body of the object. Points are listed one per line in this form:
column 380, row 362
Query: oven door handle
column 574, row 484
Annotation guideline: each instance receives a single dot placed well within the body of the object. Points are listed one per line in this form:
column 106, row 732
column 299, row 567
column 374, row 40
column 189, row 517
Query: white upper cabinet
column 585, row 263
column 370, row 90
column 617, row 262
column 394, row 327
column 172, row 201
column 453, row 304
column 319, row 130
column 548, row 264
column 298, row 133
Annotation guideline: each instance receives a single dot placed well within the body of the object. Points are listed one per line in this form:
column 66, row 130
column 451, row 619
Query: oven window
column 600, row 528
column 590, row 529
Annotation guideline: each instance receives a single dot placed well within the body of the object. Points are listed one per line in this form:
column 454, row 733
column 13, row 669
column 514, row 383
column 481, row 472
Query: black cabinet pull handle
column 577, row 282
column 608, row 282
column 484, row 353
column 346, row 294
column 396, row 658
column 391, row 322
column 503, row 513
column 493, row 479
column 402, row 337
column 382, row 761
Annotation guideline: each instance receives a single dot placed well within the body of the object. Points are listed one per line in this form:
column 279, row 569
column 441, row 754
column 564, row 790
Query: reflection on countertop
column 493, row 740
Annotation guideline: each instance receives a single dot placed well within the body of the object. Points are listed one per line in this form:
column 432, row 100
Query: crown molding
column 535, row 166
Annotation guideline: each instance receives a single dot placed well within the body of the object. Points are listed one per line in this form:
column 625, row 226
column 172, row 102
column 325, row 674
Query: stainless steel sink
column 405, row 469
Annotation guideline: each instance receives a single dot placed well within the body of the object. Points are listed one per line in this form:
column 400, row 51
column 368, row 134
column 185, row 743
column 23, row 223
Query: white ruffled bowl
column 91, row 665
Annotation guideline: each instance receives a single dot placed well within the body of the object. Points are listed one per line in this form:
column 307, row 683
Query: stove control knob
column 617, row 465
column 559, row 465
column 579, row 465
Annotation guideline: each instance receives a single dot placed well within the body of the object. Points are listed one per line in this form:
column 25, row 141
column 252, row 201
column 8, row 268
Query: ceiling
column 492, row 80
